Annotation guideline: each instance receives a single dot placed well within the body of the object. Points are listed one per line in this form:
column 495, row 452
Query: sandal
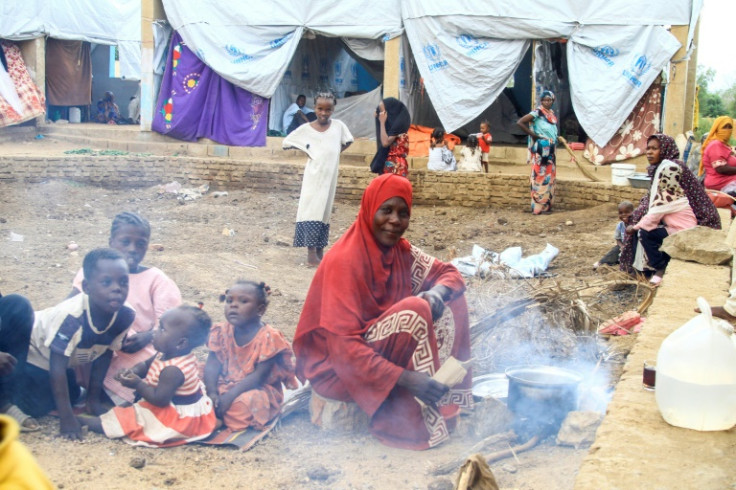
column 25, row 421
column 655, row 281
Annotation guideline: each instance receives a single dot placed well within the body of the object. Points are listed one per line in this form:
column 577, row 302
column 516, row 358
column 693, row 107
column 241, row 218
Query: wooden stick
column 442, row 469
column 245, row 265
column 498, row 455
column 585, row 171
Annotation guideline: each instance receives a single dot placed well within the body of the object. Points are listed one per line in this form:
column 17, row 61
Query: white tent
column 251, row 44
column 467, row 51
column 257, row 47
column 96, row 21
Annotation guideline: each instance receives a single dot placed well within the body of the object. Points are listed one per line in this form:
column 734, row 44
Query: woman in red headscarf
column 373, row 331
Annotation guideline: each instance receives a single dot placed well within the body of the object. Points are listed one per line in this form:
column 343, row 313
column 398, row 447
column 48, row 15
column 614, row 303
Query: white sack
column 530, row 266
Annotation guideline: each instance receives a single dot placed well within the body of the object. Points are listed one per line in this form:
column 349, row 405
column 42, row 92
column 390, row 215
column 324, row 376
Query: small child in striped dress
column 173, row 408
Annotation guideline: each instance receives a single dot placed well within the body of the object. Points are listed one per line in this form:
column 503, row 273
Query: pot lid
column 494, row 385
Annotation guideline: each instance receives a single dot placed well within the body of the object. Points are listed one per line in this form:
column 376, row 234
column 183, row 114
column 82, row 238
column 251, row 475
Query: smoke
column 534, row 339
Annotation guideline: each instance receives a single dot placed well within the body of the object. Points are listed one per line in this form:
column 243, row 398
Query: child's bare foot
column 313, row 259
column 91, row 422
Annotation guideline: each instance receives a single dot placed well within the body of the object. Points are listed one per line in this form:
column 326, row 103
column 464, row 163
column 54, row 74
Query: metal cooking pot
column 544, row 394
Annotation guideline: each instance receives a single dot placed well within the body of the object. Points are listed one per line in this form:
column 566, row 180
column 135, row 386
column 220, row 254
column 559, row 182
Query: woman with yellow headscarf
column 719, row 159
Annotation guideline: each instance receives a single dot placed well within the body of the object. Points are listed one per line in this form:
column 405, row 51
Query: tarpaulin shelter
column 467, row 51
column 111, row 22
column 257, row 46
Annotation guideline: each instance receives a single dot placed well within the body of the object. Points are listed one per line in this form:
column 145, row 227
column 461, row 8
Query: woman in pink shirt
column 719, row 162
column 675, row 202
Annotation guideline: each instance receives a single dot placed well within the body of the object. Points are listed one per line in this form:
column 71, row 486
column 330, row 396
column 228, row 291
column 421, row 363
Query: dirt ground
column 203, row 262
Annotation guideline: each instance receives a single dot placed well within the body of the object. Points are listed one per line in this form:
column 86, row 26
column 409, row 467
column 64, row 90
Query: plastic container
column 640, row 180
column 620, row 173
column 696, row 374
column 75, row 115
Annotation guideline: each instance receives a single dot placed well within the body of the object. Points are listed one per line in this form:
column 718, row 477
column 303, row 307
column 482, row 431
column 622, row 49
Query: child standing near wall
column 484, row 141
column 625, row 209
column 322, row 140
column 249, row 361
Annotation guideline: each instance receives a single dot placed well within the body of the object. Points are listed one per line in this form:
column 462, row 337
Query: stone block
column 700, row 244
column 578, row 429
column 196, row 150
column 218, row 151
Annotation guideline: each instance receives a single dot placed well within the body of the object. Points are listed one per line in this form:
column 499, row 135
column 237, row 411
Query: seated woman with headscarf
column 392, row 140
column 108, row 111
column 719, row 160
column 676, row 201
column 373, row 331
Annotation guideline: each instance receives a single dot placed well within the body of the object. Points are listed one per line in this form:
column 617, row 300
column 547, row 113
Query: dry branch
column 585, row 171
column 444, row 468
column 553, row 297
column 512, row 451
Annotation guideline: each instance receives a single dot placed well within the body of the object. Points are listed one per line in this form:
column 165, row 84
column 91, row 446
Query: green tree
column 711, row 103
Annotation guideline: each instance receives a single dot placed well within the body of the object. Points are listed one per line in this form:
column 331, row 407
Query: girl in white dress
column 322, row 140
column 441, row 158
column 470, row 156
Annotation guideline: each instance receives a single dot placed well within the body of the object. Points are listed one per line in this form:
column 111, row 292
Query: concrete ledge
column 634, row 446
column 432, row 188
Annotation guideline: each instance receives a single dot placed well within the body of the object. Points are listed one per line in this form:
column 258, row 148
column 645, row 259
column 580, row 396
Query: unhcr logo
column 434, row 57
column 240, row 56
column 605, row 53
column 278, row 42
column 472, row 44
column 639, row 67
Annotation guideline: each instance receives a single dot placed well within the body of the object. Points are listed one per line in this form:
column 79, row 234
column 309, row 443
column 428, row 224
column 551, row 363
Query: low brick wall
column 455, row 189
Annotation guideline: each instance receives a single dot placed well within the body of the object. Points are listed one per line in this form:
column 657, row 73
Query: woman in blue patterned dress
column 541, row 126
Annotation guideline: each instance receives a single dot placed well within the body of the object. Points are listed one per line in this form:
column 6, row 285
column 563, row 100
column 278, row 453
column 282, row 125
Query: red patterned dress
column 362, row 325
column 396, row 161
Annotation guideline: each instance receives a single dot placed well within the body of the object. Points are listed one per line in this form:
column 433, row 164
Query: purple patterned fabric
column 195, row 102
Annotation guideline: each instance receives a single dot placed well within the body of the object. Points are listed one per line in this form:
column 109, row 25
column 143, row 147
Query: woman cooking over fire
column 373, row 332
